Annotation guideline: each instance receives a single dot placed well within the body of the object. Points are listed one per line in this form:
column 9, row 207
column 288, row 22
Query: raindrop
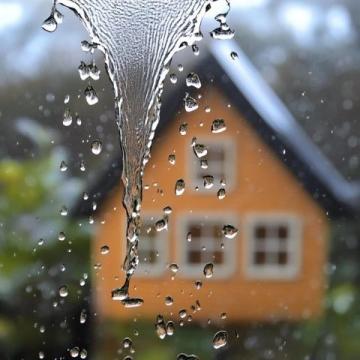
column 160, row 327
column 190, row 103
column 82, row 165
column 94, row 72
column 195, row 50
column 172, row 159
column 96, row 147
column 58, row 16
column 169, row 301
column 41, row 355
column 174, row 268
column 183, row 129
column 74, row 352
column 200, row 150
column 61, row 236
column 50, row 24
column 173, row 78
column 83, row 354
column 221, row 193
column 229, row 231
column 83, row 316
column 234, row 55
column 218, row 126
column 85, row 196
column 63, row 291
column 63, row 211
column 204, row 163
column 67, row 119
column 179, row 187
column 66, row 99
column 161, row 225
column 182, row 314
column 121, row 293
column 84, row 71
column 104, row 250
column 180, row 67
column 208, row 181
column 86, row 46
column 91, row 96
column 127, row 343
column 63, row 166
column 208, row 270
column 223, row 316
column 193, row 80
column 132, row 302
column 167, row 210
column 188, row 236
column 183, row 356
column 220, row 339
column 170, row 328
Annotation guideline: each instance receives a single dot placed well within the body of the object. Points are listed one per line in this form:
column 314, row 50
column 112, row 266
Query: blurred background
column 308, row 51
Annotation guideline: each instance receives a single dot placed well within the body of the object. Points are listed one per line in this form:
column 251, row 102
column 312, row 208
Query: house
column 280, row 192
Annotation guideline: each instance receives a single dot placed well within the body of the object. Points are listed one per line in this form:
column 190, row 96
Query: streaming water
column 138, row 39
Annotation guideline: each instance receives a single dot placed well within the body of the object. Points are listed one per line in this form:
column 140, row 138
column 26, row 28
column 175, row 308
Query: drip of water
column 138, row 39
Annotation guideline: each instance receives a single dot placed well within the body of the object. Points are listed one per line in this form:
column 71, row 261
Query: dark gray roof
column 248, row 91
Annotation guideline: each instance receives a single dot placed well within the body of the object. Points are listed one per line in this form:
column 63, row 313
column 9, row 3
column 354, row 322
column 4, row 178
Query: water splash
column 138, row 39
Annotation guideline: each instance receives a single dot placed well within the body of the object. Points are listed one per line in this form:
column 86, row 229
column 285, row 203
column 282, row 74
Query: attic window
column 220, row 160
column 273, row 246
column 201, row 241
column 152, row 248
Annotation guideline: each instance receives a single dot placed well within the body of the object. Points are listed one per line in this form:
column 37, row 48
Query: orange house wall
column 263, row 185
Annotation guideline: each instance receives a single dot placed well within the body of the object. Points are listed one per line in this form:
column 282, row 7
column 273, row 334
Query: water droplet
column 223, row 32
column 188, row 236
column 195, row 50
column 50, row 24
column 180, row 67
column 190, row 103
column 58, row 16
column 74, row 352
column 204, row 163
column 41, row 242
column 208, row 181
column 179, row 187
column 173, row 78
column 41, row 355
column 200, row 150
column 82, row 165
column 61, row 236
column 83, row 354
column 220, row 339
column 94, row 72
column 234, row 55
column 182, row 314
column 67, row 119
column 174, row 268
column 67, row 99
column 63, row 291
column 83, row 316
column 172, row 159
column 161, row 225
column 104, row 250
column 127, row 343
column 218, row 126
column 184, row 356
column 84, row 71
column 85, row 196
column 63, row 211
column 91, row 96
column 223, row 316
column 160, row 327
column 169, row 301
column 170, row 328
column 193, row 80
column 183, row 129
column 229, row 231
column 167, row 210
column 221, row 193
column 121, row 293
column 132, row 302
column 208, row 270
column 96, row 147
column 86, row 46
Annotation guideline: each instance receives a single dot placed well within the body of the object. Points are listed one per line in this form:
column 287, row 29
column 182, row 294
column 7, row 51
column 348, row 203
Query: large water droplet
column 74, row 352
column 63, row 291
column 104, row 250
column 169, row 301
column 96, row 147
column 179, row 187
column 67, row 119
column 229, row 231
column 220, row 339
column 221, row 193
column 218, row 126
column 50, row 24
column 193, row 80
column 200, row 150
column 170, row 328
column 132, row 302
column 161, row 225
column 208, row 270
column 160, row 327
column 184, row 356
column 190, row 103
column 91, row 96
column 174, row 268
column 208, row 181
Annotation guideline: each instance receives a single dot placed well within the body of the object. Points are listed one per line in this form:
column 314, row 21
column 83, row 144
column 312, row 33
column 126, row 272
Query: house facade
column 272, row 269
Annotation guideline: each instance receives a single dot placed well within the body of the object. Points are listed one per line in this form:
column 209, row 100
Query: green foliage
column 34, row 263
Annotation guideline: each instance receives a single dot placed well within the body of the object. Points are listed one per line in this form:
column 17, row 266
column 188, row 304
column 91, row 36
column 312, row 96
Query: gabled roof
column 265, row 112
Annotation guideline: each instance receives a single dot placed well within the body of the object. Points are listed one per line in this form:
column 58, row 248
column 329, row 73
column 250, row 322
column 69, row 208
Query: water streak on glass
column 138, row 39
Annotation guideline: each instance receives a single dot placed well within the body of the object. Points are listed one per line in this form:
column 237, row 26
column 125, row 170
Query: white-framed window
column 273, row 246
column 200, row 241
column 220, row 158
column 153, row 247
